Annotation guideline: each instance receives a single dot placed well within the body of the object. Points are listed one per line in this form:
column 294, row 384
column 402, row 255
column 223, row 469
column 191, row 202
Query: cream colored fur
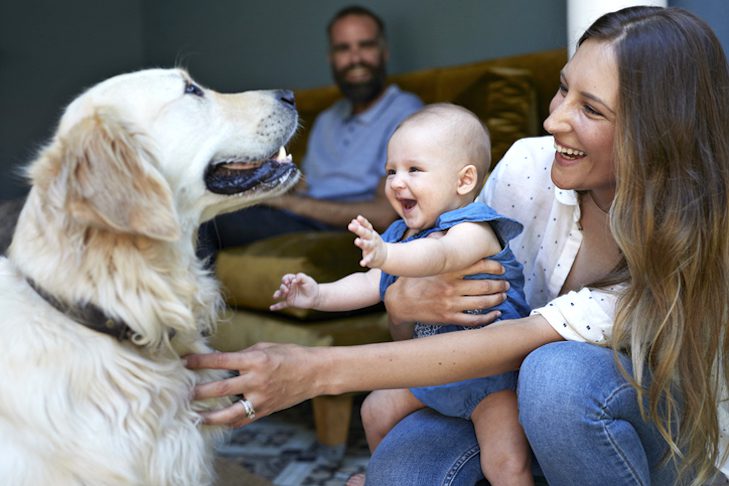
column 111, row 219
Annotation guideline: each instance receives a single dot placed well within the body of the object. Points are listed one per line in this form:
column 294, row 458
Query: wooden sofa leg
column 332, row 415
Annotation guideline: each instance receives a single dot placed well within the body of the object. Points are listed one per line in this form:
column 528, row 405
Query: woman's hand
column 271, row 377
column 445, row 297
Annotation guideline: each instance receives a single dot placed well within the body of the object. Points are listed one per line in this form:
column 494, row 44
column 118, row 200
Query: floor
column 283, row 449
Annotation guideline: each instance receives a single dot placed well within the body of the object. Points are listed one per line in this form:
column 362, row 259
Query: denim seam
column 611, row 439
column 458, row 465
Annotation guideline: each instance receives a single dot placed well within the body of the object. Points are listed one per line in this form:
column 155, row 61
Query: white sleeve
column 586, row 315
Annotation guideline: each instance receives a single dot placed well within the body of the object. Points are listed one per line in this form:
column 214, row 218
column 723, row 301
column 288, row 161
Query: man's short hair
column 357, row 10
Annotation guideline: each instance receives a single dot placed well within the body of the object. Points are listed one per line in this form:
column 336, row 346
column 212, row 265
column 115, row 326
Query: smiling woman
column 634, row 392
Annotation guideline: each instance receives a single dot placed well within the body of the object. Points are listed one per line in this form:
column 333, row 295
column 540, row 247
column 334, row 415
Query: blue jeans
column 580, row 415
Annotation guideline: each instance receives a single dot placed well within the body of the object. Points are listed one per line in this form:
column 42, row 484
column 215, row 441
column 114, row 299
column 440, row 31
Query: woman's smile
column 567, row 152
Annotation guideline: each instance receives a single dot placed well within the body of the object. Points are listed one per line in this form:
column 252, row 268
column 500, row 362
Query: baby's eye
column 193, row 89
column 390, row 172
column 415, row 169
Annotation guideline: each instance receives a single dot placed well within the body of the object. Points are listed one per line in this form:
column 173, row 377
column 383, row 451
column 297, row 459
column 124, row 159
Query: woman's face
column 582, row 120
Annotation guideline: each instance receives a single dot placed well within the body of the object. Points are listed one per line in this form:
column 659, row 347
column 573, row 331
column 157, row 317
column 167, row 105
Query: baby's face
column 422, row 177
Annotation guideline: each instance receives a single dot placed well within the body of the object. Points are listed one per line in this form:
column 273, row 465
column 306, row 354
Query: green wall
column 51, row 50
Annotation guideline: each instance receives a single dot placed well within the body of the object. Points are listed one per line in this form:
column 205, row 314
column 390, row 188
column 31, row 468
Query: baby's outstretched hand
column 298, row 290
column 374, row 250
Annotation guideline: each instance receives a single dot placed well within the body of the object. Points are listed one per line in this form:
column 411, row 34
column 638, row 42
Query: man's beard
column 363, row 92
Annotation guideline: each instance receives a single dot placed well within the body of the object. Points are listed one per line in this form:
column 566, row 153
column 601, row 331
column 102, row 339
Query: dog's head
column 153, row 153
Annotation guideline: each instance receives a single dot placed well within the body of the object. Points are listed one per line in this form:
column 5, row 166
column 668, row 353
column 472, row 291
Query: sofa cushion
column 504, row 99
column 250, row 274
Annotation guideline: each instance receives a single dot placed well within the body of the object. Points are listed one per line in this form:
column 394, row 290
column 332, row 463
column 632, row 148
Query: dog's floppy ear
column 111, row 181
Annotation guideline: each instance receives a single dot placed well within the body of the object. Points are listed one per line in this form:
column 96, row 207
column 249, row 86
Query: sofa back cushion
column 510, row 95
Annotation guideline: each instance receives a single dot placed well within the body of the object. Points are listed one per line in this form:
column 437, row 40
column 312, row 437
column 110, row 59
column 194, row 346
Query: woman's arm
column 277, row 376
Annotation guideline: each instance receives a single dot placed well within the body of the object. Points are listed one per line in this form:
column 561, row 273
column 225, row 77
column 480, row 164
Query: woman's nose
column 558, row 119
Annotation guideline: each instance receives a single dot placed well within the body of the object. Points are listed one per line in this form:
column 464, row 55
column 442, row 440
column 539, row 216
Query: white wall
column 581, row 14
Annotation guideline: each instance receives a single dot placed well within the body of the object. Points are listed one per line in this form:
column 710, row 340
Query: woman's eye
column 193, row 89
column 591, row 111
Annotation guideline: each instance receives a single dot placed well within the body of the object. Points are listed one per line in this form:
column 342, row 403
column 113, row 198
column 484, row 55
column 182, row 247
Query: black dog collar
column 87, row 315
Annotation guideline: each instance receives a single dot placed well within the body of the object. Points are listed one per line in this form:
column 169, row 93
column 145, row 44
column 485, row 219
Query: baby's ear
column 467, row 179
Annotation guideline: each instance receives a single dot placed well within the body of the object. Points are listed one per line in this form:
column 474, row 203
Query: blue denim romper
column 460, row 398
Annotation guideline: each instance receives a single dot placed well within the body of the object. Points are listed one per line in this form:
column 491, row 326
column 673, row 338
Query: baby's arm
column 462, row 245
column 354, row 291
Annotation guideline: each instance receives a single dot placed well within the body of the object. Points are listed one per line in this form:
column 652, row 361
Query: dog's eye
column 193, row 89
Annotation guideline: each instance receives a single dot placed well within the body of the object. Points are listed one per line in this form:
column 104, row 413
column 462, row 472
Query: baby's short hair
column 466, row 129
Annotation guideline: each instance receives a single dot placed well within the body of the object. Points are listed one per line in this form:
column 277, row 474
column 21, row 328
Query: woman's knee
column 427, row 448
column 557, row 375
column 577, row 409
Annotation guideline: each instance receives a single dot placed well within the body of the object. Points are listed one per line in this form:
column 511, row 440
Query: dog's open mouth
column 233, row 177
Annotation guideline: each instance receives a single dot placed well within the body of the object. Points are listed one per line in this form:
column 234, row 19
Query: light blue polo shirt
column 345, row 156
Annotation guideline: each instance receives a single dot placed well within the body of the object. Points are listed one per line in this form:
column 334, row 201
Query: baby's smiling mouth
column 408, row 204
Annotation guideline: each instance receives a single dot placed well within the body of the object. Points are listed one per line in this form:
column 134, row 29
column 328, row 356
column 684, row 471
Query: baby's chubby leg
column 383, row 409
column 505, row 456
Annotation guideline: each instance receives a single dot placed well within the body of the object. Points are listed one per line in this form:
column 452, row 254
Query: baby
column 436, row 163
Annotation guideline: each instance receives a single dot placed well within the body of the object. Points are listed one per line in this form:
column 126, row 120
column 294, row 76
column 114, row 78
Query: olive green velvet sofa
column 511, row 95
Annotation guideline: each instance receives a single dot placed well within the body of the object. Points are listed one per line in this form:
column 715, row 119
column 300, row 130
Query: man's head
column 358, row 54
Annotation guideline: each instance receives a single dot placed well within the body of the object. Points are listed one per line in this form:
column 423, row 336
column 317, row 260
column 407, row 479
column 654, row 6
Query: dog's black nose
column 286, row 96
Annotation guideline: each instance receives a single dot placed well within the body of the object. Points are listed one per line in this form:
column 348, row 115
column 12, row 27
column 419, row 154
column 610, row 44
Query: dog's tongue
column 281, row 157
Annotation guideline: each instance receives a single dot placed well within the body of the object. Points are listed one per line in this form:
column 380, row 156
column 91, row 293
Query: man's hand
column 445, row 297
column 338, row 213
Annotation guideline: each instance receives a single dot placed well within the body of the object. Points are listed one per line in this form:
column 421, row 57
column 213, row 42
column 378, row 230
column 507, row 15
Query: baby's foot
column 356, row 480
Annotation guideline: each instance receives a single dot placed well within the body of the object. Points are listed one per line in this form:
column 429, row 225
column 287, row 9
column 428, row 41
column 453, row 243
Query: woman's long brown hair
column 670, row 220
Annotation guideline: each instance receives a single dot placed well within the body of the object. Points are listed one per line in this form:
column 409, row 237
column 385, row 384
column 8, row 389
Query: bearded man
column 344, row 165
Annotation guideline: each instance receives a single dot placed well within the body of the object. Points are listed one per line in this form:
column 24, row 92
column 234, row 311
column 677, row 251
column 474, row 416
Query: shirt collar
column 567, row 197
column 372, row 113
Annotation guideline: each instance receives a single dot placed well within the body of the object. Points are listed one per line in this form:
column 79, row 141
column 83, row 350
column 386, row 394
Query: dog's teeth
column 282, row 156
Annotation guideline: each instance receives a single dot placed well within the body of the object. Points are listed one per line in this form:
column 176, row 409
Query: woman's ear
column 467, row 179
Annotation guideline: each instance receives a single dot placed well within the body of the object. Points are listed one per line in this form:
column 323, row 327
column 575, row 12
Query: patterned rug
column 282, row 448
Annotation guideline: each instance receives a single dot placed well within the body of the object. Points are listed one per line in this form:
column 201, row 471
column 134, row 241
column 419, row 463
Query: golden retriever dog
column 101, row 293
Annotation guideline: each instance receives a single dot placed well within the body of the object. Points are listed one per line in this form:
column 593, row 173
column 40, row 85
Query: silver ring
column 248, row 408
